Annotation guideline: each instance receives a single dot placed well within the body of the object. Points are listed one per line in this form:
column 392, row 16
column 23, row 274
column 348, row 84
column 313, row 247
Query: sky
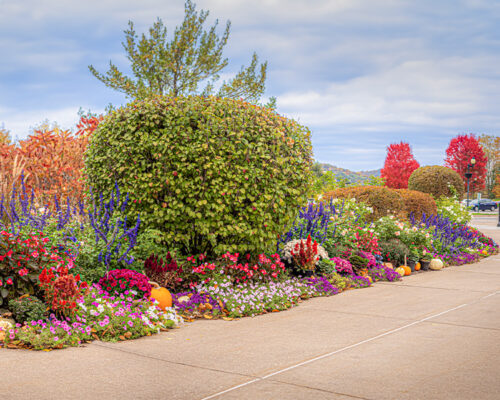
column 361, row 74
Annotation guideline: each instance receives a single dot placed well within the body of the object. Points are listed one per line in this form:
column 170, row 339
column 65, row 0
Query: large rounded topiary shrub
column 417, row 203
column 213, row 175
column 384, row 201
column 436, row 180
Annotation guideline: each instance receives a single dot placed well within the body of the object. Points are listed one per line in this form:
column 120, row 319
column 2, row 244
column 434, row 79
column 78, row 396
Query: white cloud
column 446, row 93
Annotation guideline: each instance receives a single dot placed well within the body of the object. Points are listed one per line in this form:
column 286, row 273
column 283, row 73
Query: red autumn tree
column 460, row 153
column 399, row 165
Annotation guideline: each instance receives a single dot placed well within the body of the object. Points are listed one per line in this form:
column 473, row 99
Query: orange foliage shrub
column 383, row 200
column 417, row 203
column 51, row 159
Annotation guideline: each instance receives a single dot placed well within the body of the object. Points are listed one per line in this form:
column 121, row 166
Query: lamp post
column 498, row 215
column 468, row 175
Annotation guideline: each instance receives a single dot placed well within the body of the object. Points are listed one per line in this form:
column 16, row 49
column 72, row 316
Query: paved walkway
column 435, row 335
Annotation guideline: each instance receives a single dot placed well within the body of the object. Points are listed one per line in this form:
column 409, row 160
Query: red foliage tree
column 460, row 152
column 399, row 165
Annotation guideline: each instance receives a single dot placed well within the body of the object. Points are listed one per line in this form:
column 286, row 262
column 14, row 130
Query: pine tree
column 179, row 66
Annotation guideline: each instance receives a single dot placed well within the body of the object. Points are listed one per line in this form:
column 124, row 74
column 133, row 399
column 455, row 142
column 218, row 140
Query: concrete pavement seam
column 318, row 389
column 170, row 362
column 390, row 332
column 415, row 286
column 360, row 314
column 440, row 288
column 463, row 326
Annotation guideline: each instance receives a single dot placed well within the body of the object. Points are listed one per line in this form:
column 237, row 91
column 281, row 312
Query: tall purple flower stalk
column 452, row 235
column 111, row 228
column 107, row 219
column 314, row 220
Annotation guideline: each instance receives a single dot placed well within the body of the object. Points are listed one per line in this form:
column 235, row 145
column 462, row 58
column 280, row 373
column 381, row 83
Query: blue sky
column 361, row 74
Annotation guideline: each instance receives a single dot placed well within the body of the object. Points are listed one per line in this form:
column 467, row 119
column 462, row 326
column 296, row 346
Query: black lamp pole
column 498, row 207
column 468, row 175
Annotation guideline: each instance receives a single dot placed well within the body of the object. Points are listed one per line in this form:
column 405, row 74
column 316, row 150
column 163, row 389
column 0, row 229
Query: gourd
column 417, row 266
column 400, row 271
column 436, row 264
column 161, row 295
column 406, row 269
column 388, row 265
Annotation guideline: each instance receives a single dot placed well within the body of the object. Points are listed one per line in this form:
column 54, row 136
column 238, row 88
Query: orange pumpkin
column 161, row 295
column 417, row 266
column 406, row 269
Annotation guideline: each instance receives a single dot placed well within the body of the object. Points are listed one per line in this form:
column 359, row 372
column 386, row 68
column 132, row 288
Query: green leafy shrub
column 27, row 308
column 213, row 175
column 339, row 281
column 91, row 268
column 394, row 250
column 417, row 203
column 358, row 263
column 436, row 180
column 382, row 200
column 325, row 266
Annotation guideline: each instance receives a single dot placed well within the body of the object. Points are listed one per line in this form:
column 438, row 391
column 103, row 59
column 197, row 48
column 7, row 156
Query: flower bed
column 330, row 247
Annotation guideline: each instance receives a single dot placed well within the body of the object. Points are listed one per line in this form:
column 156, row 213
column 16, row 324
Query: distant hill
column 353, row 176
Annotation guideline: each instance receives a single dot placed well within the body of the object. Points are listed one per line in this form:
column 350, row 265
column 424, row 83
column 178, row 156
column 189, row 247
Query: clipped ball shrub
column 213, row 175
column 417, row 203
column 384, row 201
column 436, row 180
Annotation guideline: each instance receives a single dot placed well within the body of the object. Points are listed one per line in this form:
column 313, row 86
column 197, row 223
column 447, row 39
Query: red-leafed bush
column 62, row 290
column 166, row 273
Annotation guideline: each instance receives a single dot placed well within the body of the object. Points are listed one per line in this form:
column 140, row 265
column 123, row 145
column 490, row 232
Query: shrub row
column 385, row 201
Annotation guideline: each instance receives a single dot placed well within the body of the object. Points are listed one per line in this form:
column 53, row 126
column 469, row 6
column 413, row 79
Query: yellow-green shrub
column 436, row 180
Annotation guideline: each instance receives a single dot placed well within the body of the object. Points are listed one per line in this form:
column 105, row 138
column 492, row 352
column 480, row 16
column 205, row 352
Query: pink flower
column 9, row 281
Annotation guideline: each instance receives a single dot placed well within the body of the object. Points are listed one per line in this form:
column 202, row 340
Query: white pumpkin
column 436, row 264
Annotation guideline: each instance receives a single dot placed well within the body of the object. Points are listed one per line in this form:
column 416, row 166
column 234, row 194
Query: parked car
column 483, row 205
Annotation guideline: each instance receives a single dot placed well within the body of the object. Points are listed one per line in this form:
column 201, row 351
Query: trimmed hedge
column 384, row 201
column 435, row 180
column 417, row 203
column 213, row 175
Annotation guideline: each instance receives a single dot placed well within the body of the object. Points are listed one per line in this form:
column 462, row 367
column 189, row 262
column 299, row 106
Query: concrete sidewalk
column 434, row 335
